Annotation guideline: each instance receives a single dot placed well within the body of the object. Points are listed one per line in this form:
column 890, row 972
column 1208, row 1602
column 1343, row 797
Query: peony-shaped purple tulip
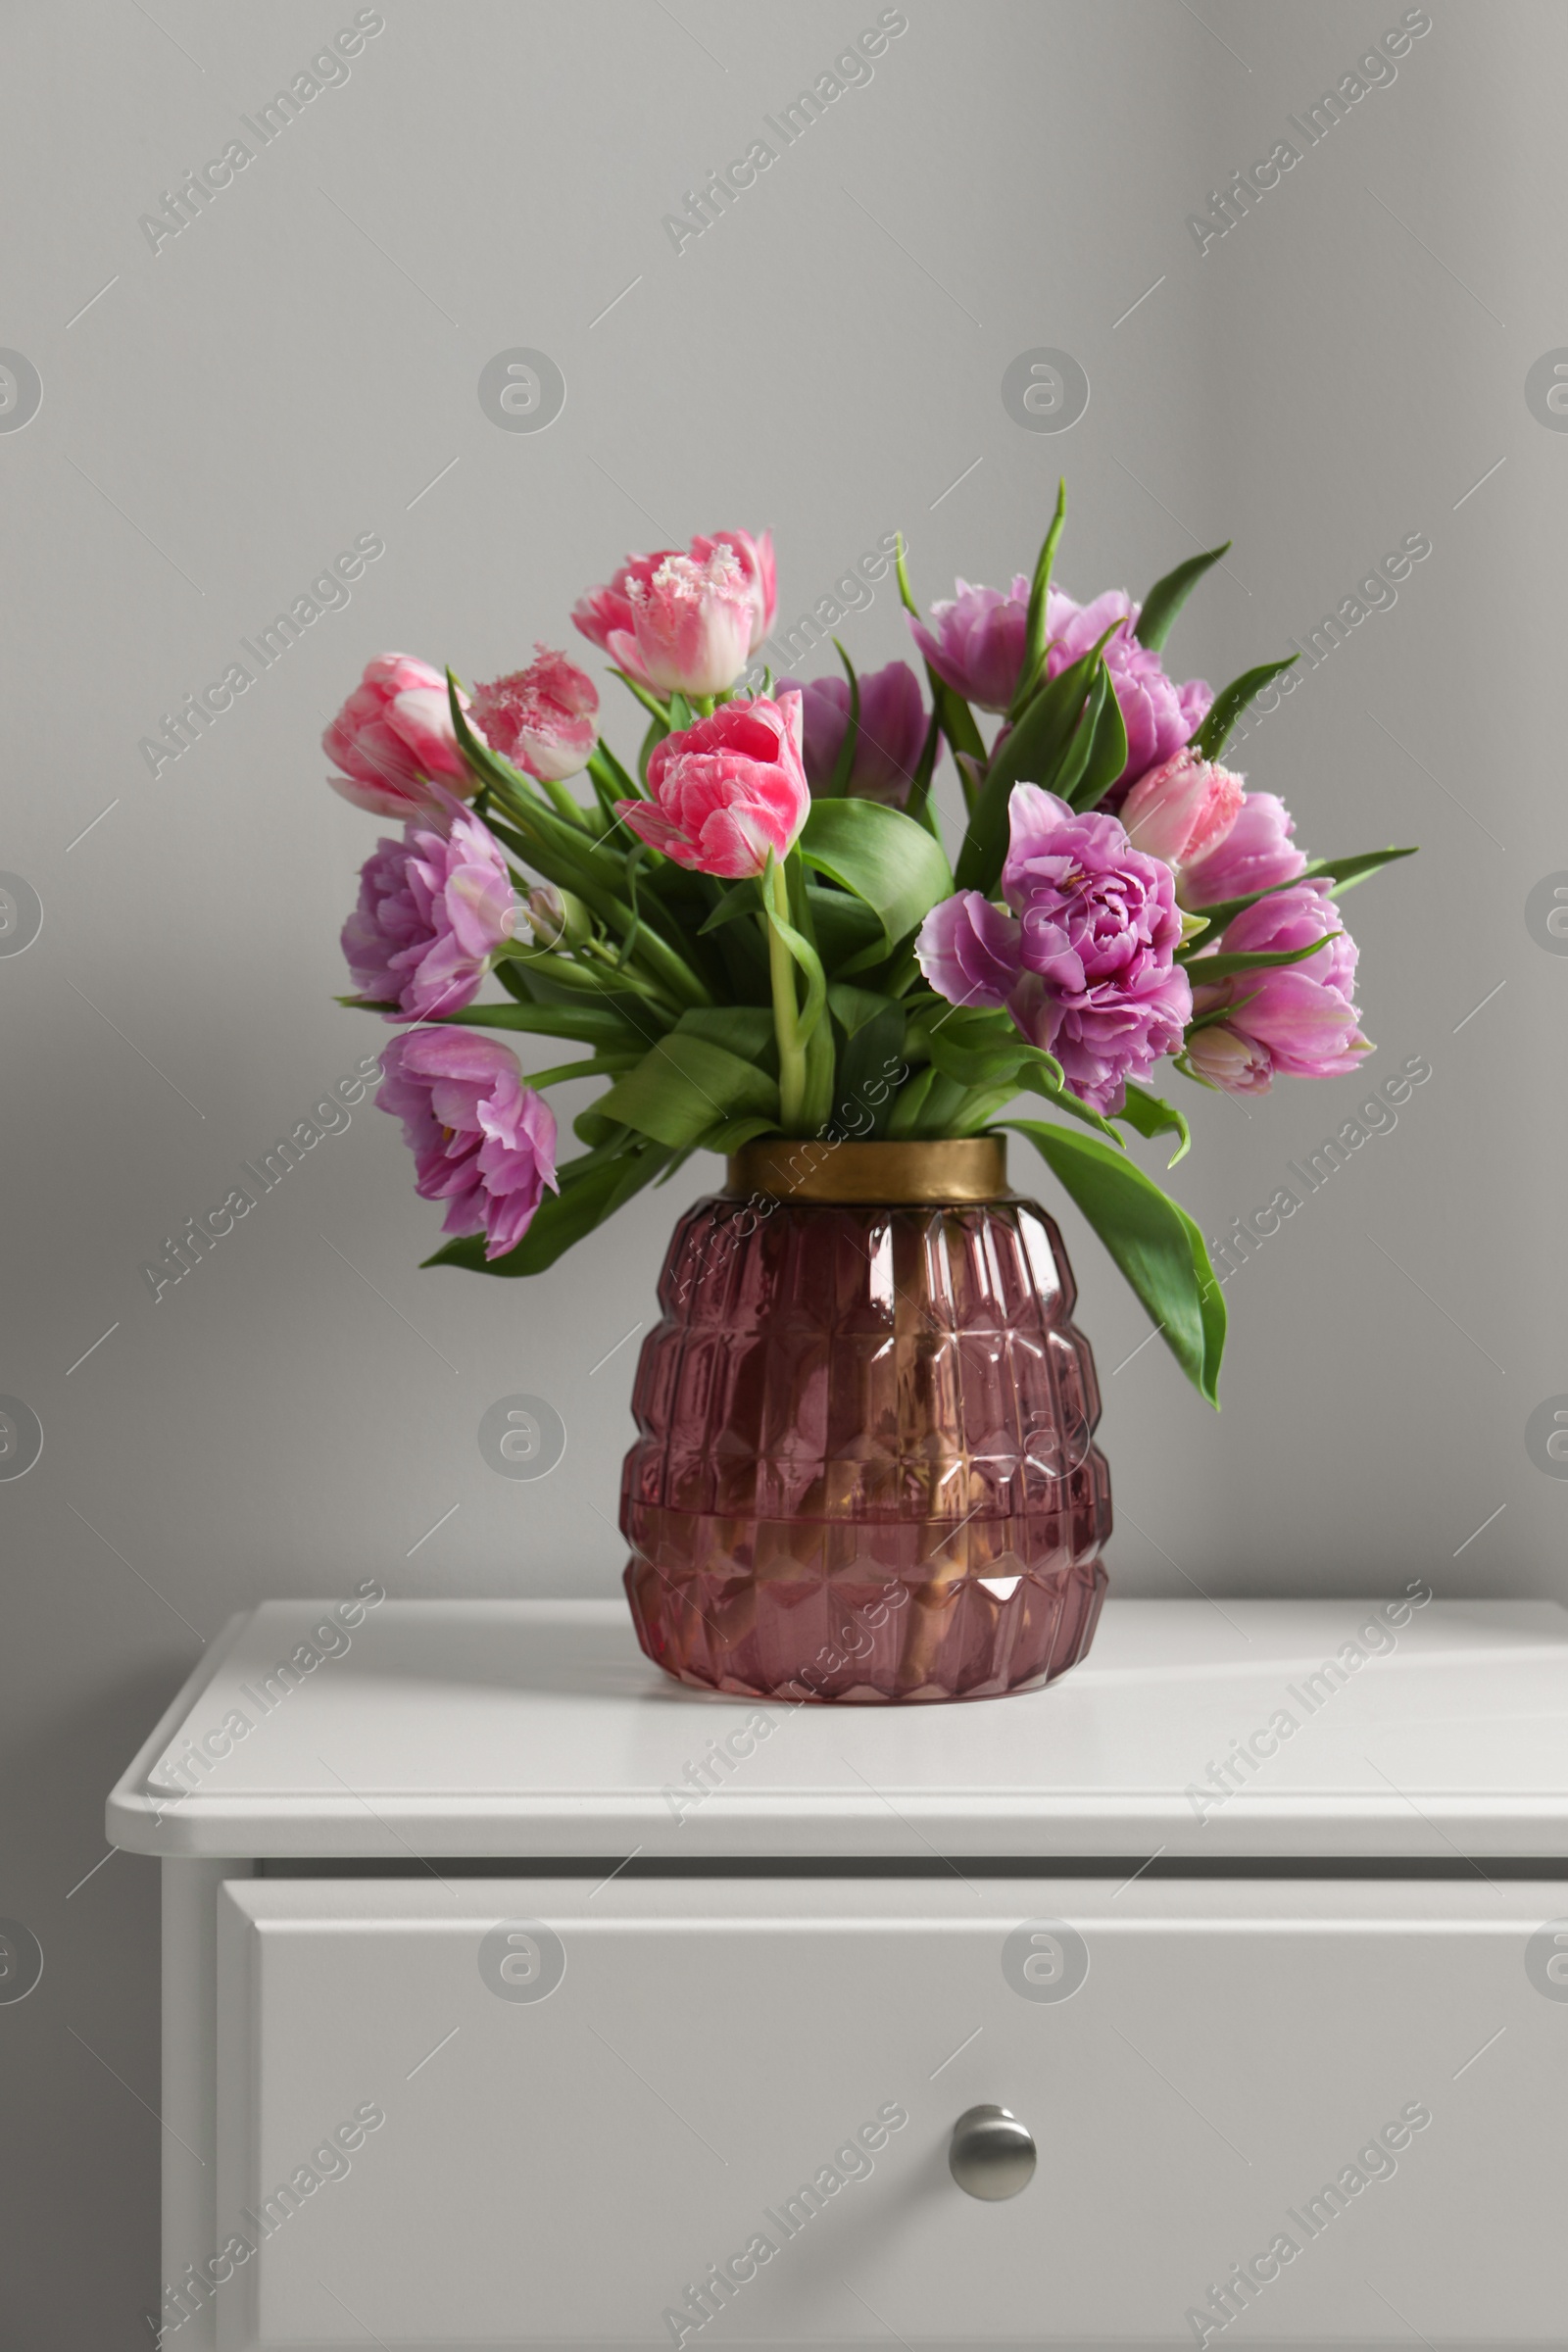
column 1256, row 853
column 1158, row 714
column 1083, row 959
column 1295, row 1020
column 886, row 749
column 976, row 640
column 433, row 909
column 482, row 1139
column 969, row 951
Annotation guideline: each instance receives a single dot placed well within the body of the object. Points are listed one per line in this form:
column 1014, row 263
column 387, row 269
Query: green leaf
column 1034, row 634
column 733, row 1133
column 839, row 783
column 1104, row 741
column 872, row 1056
column 1034, row 750
column 739, row 899
column 1206, row 1020
column 1152, row 1239
column 1343, row 872
column 1209, row 738
column 883, row 857
column 851, row 1007
column 918, row 805
column 901, row 571
column 585, row 1024
column 743, row 1029
column 588, row 1195
column 1205, row 968
column 980, row 1046
column 687, row 1082
column 1040, row 1081
column 1168, row 595
column 847, row 932
column 905, row 1115
column 1150, row 1114
column 656, row 710
column 611, row 784
column 1346, row 872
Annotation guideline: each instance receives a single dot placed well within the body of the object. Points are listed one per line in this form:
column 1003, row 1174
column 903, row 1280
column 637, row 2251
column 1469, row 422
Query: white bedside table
column 515, row 1996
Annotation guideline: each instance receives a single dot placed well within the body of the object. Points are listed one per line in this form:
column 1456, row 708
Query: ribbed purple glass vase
column 865, row 1467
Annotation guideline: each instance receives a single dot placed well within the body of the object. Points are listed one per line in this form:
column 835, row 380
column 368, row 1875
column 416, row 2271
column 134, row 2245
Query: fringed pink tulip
column 691, row 626
column 609, row 616
column 544, row 718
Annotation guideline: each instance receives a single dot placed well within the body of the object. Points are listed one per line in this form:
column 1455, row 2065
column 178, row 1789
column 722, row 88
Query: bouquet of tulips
column 748, row 928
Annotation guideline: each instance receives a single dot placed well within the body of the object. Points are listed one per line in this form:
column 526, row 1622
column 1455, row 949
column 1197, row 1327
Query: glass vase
column 864, row 1469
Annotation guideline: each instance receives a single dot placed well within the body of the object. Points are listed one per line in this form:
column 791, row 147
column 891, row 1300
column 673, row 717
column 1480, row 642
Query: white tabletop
column 538, row 1728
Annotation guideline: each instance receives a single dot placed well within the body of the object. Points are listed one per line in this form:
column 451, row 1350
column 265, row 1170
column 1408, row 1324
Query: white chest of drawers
column 515, row 1997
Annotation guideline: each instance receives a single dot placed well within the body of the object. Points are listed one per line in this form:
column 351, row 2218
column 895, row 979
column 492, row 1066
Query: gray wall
column 298, row 365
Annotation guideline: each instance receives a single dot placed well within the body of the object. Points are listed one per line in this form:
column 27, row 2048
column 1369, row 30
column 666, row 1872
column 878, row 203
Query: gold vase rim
column 959, row 1169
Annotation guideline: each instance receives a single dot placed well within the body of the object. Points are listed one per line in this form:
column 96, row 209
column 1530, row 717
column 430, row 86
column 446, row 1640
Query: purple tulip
column 1084, row 963
column 1292, row 1020
column 886, row 749
column 481, row 1139
column 433, row 909
column 969, row 951
column 1158, row 714
column 976, row 642
column 1256, row 853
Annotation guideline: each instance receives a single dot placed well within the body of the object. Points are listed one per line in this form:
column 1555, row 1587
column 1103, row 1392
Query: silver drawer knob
column 991, row 2154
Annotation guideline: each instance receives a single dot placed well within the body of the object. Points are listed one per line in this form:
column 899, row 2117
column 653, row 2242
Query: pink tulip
column 756, row 559
column 1182, row 810
column 1294, row 1020
column 727, row 790
column 481, row 1139
column 691, row 626
column 1236, row 1064
column 1255, row 854
column 394, row 739
column 541, row 719
column 608, row 613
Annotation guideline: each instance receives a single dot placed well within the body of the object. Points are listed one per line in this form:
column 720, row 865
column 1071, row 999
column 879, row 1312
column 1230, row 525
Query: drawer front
column 519, row 2112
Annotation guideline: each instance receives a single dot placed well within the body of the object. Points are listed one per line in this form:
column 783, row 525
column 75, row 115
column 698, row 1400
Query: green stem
column 589, row 980
column 568, row 806
column 786, row 1010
